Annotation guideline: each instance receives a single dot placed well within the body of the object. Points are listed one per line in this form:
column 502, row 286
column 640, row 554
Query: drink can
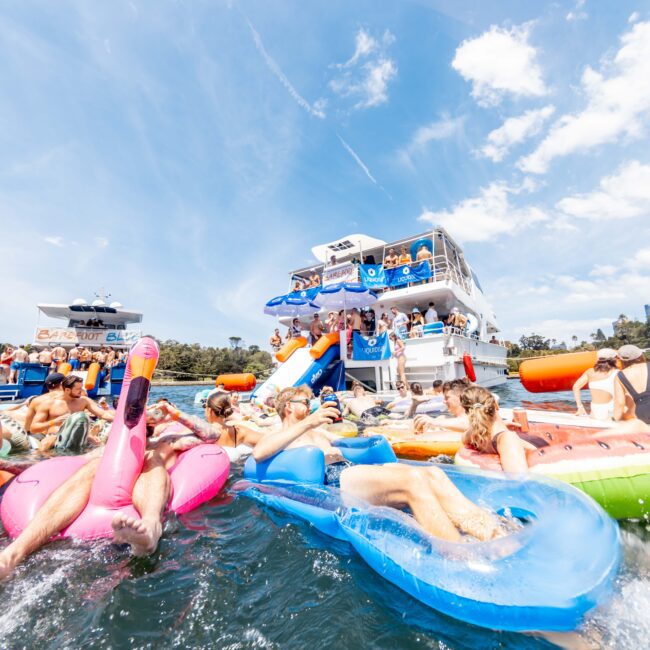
column 333, row 399
column 520, row 416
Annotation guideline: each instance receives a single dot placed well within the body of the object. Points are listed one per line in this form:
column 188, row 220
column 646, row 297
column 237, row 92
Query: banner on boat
column 406, row 273
column 370, row 348
column 340, row 273
column 91, row 337
column 306, row 294
column 373, row 276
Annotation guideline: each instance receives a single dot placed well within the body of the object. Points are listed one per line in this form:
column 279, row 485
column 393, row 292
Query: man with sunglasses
column 436, row 503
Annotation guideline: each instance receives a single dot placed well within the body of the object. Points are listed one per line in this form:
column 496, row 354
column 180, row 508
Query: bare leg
column 61, row 508
column 150, row 496
column 401, row 369
column 437, row 505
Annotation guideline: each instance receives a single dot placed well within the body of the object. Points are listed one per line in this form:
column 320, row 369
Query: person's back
column 635, row 381
column 45, row 357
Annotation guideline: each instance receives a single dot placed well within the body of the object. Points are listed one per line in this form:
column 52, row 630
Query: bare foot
column 140, row 534
column 8, row 562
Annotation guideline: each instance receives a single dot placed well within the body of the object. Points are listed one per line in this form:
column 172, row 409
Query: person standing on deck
column 73, row 357
column 316, row 329
column 20, row 357
column 59, row 355
column 45, row 357
column 431, row 315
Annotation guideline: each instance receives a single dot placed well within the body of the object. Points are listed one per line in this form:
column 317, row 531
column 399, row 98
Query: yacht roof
column 345, row 245
column 108, row 315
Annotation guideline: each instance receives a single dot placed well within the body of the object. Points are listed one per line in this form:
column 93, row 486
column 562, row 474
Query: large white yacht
column 440, row 351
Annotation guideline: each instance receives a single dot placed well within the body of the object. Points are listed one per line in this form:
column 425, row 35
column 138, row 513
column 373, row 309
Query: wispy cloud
column 499, row 62
column 358, row 160
column 487, row 216
column 317, row 109
column 622, row 195
column 366, row 74
column 55, row 240
column 618, row 104
column 446, row 127
column 578, row 12
column 513, row 131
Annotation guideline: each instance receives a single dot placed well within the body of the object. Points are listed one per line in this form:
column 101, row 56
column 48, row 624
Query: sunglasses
column 305, row 401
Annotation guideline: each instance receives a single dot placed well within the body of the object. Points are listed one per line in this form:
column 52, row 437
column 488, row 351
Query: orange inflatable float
column 91, row 376
column 290, row 347
column 64, row 368
column 241, row 383
column 323, row 344
column 5, row 477
column 556, row 372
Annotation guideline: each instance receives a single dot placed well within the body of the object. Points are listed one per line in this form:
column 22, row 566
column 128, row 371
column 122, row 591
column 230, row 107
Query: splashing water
column 232, row 575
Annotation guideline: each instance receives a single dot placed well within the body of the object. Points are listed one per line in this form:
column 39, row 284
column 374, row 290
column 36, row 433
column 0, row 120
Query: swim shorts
column 73, row 433
column 19, row 439
column 333, row 472
column 370, row 416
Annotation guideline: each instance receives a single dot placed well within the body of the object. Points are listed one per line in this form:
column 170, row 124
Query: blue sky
column 186, row 155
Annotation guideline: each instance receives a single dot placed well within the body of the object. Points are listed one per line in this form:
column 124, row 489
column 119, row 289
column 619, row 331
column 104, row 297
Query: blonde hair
column 481, row 408
column 286, row 395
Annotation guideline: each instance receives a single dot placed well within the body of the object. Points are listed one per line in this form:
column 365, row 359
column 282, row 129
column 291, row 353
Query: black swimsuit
column 641, row 400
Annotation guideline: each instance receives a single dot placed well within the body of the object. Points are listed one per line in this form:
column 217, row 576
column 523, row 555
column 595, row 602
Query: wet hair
column 286, row 395
column 416, row 388
column 481, row 408
column 604, row 365
column 70, row 381
column 455, row 385
column 436, row 383
column 219, row 404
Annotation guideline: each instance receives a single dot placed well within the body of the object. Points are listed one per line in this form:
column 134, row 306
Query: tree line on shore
column 626, row 331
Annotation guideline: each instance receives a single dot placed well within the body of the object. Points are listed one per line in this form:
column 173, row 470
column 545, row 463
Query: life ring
column 196, row 477
column 469, row 367
column 415, row 247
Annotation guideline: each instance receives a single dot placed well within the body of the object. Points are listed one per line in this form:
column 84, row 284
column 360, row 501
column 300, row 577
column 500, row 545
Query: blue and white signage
column 370, row 348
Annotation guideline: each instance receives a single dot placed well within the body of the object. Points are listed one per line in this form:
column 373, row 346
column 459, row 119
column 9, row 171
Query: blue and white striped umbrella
column 290, row 305
column 345, row 295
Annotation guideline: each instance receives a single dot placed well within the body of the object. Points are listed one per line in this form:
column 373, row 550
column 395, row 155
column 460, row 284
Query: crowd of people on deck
column 51, row 356
column 295, row 421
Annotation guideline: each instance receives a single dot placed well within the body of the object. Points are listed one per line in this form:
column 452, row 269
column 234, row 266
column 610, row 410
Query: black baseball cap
column 53, row 380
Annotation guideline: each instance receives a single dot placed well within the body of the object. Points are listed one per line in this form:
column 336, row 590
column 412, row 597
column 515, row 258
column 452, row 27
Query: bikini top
column 641, row 400
column 606, row 384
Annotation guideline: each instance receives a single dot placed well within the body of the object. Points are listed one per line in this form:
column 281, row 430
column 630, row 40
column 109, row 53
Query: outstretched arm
column 200, row 428
column 272, row 443
column 99, row 412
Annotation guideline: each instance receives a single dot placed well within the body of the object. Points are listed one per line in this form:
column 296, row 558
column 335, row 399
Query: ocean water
column 233, row 575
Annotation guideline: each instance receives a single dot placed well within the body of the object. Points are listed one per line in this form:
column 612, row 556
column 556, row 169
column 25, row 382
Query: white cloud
column 55, row 240
column 500, row 61
column 487, row 216
column 317, row 109
column 514, row 131
column 634, row 16
column 366, row 74
column 577, row 13
column 564, row 330
column 438, row 130
column 358, row 160
column 641, row 260
column 622, row 195
column 618, row 103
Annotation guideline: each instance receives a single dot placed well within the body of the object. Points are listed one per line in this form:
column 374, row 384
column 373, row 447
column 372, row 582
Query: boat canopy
column 108, row 315
column 345, row 246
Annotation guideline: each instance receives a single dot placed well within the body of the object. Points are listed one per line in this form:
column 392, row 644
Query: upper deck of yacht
column 451, row 282
column 91, row 325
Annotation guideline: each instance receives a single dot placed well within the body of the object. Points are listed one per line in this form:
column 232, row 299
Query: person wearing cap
column 632, row 391
column 600, row 381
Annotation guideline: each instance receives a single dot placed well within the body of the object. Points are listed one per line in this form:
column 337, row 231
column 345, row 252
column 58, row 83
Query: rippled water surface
column 232, row 575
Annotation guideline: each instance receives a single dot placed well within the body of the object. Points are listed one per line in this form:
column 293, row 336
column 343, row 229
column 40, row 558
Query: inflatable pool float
column 407, row 444
column 433, row 405
column 612, row 469
column 537, row 578
column 197, row 476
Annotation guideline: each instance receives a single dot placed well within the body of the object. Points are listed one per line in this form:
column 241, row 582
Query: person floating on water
column 437, row 505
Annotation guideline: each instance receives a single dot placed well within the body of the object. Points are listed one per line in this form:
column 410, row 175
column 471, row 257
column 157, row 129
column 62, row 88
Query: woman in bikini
column 399, row 353
column 489, row 434
column 600, row 380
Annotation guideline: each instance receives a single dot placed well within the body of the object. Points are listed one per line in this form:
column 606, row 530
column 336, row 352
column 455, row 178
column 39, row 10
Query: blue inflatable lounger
column 559, row 563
